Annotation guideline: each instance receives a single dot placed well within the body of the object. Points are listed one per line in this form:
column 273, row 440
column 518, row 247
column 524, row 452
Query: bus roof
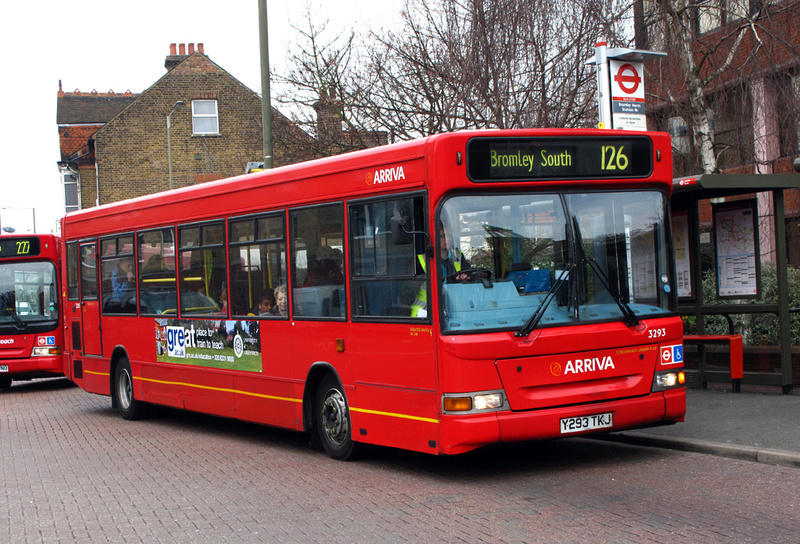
column 398, row 166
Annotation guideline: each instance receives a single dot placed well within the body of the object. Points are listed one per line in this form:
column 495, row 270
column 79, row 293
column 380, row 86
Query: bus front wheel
column 128, row 407
column 5, row 382
column 333, row 420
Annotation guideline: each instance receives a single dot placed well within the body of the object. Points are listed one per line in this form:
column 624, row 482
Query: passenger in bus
column 223, row 302
column 154, row 265
column 281, row 301
column 122, row 279
column 265, row 307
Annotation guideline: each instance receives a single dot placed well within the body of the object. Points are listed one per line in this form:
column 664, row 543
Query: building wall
column 132, row 153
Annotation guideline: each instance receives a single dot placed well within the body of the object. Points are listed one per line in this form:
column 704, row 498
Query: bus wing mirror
column 401, row 234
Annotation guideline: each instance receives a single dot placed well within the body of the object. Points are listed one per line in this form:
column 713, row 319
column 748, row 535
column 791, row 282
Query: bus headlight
column 43, row 351
column 669, row 379
column 483, row 401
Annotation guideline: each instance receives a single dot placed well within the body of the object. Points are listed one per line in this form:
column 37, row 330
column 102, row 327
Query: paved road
column 74, row 471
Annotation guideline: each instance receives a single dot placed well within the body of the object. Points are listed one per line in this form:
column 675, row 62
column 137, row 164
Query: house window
column 205, row 119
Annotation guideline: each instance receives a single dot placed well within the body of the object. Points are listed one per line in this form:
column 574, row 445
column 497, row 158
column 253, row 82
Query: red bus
column 30, row 326
column 436, row 295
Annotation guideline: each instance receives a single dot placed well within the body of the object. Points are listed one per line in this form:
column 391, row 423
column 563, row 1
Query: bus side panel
column 395, row 423
column 158, row 383
column 270, row 397
column 208, row 390
column 96, row 375
column 397, row 401
column 268, row 400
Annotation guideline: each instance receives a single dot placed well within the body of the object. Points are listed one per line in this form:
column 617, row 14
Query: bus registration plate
column 3, row 368
column 586, row 423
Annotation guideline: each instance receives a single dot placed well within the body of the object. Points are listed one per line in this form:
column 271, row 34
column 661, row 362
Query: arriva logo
column 581, row 366
column 387, row 175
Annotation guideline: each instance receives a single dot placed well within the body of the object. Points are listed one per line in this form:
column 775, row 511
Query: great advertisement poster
column 215, row 343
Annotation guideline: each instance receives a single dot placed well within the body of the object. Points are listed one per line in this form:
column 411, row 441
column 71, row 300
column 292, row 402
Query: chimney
column 330, row 116
column 200, row 48
column 174, row 59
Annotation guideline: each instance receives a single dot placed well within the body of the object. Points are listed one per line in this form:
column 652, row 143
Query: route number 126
column 614, row 158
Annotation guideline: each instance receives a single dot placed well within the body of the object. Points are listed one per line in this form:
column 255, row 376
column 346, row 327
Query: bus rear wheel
column 128, row 407
column 333, row 420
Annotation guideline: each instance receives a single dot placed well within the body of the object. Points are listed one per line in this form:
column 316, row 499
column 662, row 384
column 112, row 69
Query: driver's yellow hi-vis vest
column 419, row 308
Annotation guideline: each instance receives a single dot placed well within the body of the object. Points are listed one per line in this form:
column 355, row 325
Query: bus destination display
column 508, row 159
column 19, row 247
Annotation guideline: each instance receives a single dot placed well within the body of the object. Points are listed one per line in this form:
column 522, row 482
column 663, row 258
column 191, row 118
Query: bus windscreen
column 519, row 159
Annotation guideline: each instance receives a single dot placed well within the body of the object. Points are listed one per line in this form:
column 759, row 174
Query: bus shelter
column 729, row 233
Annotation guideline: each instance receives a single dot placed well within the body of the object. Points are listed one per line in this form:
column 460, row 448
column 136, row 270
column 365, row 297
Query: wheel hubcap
column 125, row 390
column 334, row 417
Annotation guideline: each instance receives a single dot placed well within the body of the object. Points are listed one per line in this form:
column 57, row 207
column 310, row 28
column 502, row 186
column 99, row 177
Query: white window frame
column 197, row 116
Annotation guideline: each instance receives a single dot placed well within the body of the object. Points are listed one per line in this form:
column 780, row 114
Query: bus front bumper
column 460, row 434
column 32, row 367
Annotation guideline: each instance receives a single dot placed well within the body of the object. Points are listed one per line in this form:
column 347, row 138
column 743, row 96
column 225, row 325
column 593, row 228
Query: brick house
column 754, row 104
column 115, row 146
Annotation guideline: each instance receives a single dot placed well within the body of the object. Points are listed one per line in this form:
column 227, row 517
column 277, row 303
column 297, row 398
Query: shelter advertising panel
column 737, row 247
column 683, row 264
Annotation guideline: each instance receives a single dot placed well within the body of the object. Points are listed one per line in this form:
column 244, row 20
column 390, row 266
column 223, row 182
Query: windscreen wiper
column 533, row 321
column 630, row 318
column 20, row 324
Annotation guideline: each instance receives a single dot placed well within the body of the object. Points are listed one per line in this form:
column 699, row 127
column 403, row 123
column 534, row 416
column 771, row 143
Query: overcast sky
column 109, row 45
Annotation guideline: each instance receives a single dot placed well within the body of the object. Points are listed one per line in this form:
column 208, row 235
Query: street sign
column 627, row 95
column 620, row 86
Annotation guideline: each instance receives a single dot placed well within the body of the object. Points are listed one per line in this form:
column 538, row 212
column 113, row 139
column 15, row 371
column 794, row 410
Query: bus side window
column 118, row 275
column 73, row 276
column 158, row 294
column 317, row 253
column 389, row 277
column 202, row 269
column 257, row 262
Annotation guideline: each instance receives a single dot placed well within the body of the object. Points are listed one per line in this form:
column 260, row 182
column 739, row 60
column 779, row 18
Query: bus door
column 83, row 310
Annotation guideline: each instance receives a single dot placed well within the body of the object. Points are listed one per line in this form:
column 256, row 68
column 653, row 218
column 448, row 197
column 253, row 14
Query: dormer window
column 205, row 118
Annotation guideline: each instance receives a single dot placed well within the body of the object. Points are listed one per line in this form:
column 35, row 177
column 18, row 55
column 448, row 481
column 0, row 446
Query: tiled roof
column 73, row 139
column 79, row 108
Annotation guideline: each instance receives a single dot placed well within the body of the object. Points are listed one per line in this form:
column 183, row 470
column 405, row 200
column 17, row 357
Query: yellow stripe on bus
column 221, row 389
column 391, row 414
column 106, row 374
column 273, row 397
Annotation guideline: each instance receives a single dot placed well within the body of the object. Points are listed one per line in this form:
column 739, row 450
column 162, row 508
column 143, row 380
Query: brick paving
column 74, row 471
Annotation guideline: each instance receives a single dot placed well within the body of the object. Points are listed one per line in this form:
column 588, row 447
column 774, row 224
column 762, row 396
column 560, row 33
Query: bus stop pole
column 603, row 86
column 266, row 107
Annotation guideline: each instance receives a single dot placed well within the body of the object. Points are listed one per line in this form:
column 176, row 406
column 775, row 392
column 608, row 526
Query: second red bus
column 30, row 325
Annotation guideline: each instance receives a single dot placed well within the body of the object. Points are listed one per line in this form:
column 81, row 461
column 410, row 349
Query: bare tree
column 487, row 63
column 450, row 65
column 317, row 91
